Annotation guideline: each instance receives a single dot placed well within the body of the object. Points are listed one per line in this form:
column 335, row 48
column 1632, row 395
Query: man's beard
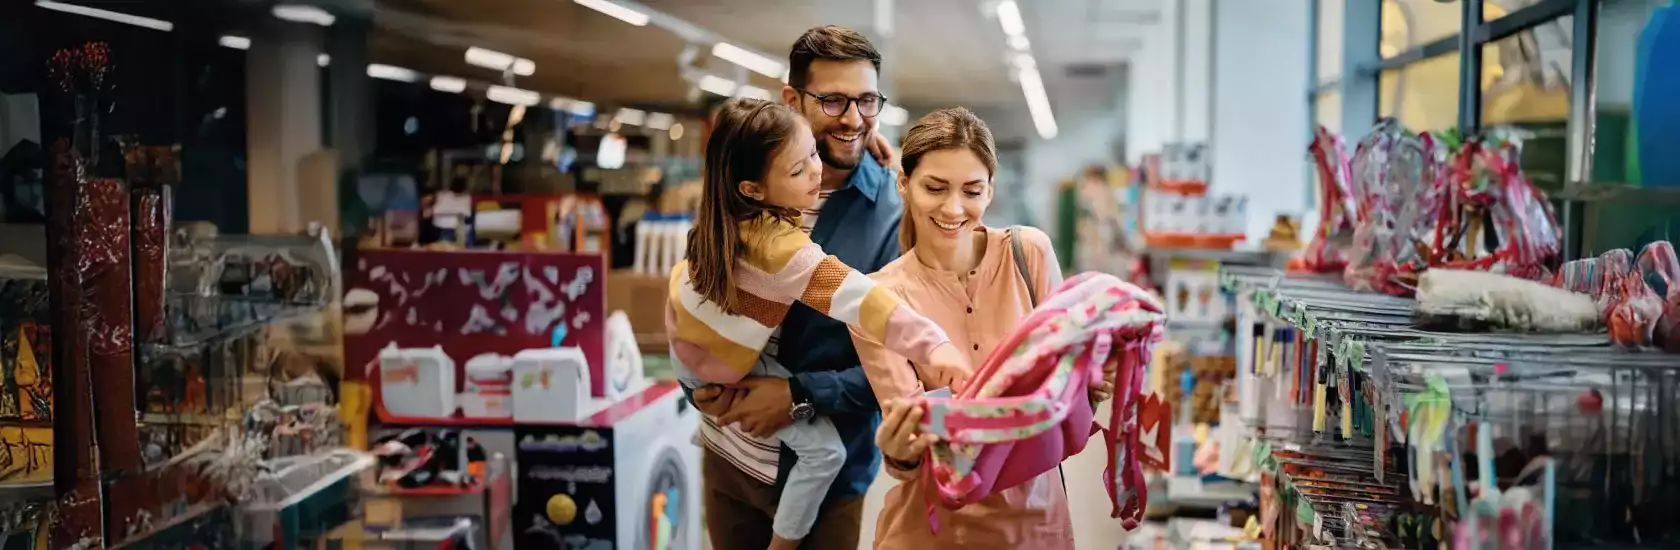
column 825, row 151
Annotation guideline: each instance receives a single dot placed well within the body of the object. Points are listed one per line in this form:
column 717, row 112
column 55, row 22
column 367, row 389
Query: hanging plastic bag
column 1397, row 181
column 1335, row 198
column 1500, row 221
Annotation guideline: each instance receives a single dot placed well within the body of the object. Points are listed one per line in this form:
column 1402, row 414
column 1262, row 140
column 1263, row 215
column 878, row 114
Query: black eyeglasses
column 868, row 105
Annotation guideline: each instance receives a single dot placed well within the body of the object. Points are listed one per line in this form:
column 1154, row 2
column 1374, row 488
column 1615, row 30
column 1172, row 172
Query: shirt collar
column 869, row 178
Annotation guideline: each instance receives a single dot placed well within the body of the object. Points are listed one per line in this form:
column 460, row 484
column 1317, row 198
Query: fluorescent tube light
column 448, row 84
column 108, row 15
column 717, row 85
column 235, row 42
column 1019, row 42
column 301, row 13
column 512, row 96
column 752, row 61
column 617, row 11
column 893, row 115
column 1009, row 16
column 633, row 117
column 754, row 92
column 660, row 121
column 1038, row 103
column 492, row 59
column 389, row 72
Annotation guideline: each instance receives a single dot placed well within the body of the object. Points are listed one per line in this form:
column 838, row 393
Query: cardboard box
column 642, row 298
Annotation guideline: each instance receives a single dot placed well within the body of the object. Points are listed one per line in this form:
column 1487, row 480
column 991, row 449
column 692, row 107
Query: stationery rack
column 1371, row 431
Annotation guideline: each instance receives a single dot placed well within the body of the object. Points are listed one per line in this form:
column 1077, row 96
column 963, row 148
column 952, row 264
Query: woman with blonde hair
column 977, row 283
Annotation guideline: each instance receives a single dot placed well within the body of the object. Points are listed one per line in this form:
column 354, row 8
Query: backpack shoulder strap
column 1013, row 235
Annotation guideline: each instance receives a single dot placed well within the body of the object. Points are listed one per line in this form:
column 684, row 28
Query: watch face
column 802, row 412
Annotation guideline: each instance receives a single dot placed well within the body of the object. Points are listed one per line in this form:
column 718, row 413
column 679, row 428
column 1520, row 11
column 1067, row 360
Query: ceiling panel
column 944, row 52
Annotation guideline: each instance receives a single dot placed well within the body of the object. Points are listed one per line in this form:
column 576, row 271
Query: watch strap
column 797, row 392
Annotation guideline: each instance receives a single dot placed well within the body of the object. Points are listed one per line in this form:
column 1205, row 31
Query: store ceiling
column 944, row 52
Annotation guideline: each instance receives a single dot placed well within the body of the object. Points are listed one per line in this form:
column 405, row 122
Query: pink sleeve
column 912, row 335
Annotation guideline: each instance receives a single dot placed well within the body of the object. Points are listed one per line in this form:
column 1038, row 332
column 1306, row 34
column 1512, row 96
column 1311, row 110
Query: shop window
column 1495, row 9
column 1330, row 41
column 1423, row 95
column 1617, row 146
column 1408, row 24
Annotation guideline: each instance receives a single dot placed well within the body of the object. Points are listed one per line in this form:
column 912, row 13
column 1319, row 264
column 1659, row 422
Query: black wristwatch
column 801, row 409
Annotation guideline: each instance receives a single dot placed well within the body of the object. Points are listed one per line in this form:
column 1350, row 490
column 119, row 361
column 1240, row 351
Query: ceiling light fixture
column 752, row 61
column 108, row 15
column 1019, row 42
column 1009, row 16
column 448, row 84
column 322, row 60
column 753, row 92
column 512, row 96
column 660, row 121
column 391, row 72
column 302, row 13
column 1038, row 103
column 617, row 11
column 717, row 85
column 633, row 117
column 582, row 109
column 492, row 59
column 235, row 42
column 893, row 115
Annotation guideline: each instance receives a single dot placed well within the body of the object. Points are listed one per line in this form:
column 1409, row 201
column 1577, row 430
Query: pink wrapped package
column 1336, row 226
column 1492, row 195
column 1026, row 408
column 1400, row 192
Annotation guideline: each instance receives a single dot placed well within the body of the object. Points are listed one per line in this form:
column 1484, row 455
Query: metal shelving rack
column 1329, row 374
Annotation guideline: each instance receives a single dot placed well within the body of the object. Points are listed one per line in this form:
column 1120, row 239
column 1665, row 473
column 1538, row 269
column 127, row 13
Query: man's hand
column 883, row 151
column 714, row 400
column 763, row 406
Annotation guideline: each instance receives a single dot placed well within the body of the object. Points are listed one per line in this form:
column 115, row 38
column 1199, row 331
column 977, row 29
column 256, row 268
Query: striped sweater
column 781, row 265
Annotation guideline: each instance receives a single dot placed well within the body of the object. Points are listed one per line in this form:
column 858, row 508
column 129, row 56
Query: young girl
column 748, row 261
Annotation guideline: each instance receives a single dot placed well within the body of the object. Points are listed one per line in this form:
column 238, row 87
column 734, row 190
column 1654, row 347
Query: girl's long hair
column 953, row 128
column 746, row 135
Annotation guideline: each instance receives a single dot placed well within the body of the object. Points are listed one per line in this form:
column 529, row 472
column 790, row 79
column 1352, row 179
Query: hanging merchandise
column 1489, row 193
column 1397, row 183
column 1336, row 203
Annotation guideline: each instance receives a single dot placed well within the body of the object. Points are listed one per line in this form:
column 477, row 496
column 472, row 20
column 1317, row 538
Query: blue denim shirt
column 859, row 225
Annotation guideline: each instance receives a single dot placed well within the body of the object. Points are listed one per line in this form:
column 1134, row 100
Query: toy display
column 626, row 477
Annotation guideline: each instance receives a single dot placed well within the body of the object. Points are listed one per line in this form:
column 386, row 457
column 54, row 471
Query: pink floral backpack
column 1026, row 408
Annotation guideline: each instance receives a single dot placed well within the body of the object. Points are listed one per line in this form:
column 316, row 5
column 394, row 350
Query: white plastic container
column 417, row 383
column 551, row 385
column 644, row 245
column 488, row 391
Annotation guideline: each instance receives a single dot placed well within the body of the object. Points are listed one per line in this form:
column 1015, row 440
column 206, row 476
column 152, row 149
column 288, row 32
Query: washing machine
column 627, row 478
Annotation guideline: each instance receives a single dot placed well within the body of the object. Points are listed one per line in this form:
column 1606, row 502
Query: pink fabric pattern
column 1025, row 409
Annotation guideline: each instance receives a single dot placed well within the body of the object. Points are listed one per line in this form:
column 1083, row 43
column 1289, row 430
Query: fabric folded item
column 1026, row 409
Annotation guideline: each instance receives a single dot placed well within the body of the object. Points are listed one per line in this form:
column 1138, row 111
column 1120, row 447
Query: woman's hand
column 1103, row 390
column 900, row 436
column 949, row 367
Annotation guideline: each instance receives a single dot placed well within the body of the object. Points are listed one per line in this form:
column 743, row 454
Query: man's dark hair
column 832, row 43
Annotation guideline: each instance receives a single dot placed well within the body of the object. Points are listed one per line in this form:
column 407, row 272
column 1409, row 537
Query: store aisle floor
column 1093, row 529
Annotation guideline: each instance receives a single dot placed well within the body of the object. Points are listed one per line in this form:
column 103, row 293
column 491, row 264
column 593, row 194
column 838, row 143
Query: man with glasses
column 833, row 79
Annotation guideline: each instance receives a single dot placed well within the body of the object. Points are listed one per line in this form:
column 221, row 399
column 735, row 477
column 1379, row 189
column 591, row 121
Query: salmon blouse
column 977, row 314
